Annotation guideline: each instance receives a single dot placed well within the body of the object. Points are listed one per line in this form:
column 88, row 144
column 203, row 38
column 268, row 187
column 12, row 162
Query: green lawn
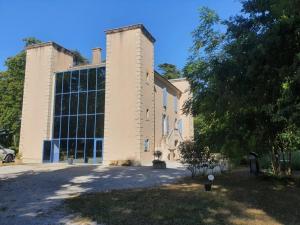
column 236, row 198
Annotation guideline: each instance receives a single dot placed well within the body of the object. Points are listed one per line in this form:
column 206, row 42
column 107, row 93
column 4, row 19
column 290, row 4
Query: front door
column 55, row 150
column 98, row 150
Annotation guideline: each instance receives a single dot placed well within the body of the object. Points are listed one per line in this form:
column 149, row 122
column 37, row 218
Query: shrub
column 193, row 156
column 157, row 155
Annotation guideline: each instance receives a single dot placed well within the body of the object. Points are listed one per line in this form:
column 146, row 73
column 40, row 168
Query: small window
column 165, row 97
column 147, row 114
column 180, row 126
column 147, row 76
column 175, row 104
column 146, row 145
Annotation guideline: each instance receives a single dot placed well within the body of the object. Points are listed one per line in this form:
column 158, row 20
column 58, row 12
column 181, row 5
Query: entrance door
column 55, row 150
column 98, row 150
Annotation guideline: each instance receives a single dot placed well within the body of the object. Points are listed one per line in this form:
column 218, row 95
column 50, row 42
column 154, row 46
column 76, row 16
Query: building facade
column 105, row 112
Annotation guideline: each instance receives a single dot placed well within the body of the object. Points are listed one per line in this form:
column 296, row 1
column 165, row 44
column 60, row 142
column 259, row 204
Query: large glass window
column 79, row 112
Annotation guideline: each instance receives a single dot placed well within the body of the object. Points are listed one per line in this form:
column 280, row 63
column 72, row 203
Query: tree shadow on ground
column 236, row 198
column 278, row 198
column 35, row 197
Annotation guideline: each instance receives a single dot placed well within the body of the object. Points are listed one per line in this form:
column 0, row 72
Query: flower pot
column 70, row 161
column 207, row 186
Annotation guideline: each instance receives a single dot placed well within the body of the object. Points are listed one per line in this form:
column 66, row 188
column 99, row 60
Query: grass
column 236, row 198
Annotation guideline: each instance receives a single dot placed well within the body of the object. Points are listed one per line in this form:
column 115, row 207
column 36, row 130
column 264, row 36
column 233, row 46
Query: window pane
column 66, row 83
column 92, row 79
column 100, row 78
column 83, row 80
column 82, row 103
column 64, row 126
column 89, row 151
column 80, row 150
column 73, row 104
column 57, row 108
column 47, row 151
column 72, row 146
column 75, row 80
column 81, row 127
column 65, row 104
column 100, row 101
column 59, row 82
column 63, row 150
column 56, row 127
column 72, row 126
column 90, row 127
column 91, row 102
column 99, row 126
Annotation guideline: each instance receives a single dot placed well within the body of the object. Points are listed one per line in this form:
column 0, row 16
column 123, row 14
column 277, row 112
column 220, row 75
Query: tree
column 245, row 80
column 169, row 71
column 78, row 58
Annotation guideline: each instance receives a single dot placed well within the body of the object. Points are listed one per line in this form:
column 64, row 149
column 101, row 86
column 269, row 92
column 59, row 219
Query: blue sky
column 80, row 24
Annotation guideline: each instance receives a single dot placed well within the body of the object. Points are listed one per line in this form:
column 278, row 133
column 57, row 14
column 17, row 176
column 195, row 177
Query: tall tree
column 169, row 71
column 246, row 81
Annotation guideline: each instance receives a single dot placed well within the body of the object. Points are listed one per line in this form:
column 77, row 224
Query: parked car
column 7, row 155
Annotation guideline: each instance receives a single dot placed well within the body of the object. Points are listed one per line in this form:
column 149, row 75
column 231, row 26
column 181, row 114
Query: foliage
column 193, row 155
column 245, row 81
column 79, row 59
column 169, row 71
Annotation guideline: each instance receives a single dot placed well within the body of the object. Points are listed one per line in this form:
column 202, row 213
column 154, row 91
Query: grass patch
column 236, row 198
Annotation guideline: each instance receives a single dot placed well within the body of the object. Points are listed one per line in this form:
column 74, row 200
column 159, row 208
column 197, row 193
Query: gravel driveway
column 33, row 194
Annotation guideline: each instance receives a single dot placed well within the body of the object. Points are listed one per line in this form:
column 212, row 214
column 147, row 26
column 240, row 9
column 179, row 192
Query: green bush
column 265, row 161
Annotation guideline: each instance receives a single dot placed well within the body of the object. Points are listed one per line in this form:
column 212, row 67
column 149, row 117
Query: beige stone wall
column 129, row 57
column 36, row 125
column 188, row 121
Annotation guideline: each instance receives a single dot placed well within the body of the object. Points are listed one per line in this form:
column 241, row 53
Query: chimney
column 96, row 58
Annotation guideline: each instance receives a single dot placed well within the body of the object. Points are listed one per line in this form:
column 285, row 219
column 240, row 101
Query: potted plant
column 157, row 163
column 71, row 160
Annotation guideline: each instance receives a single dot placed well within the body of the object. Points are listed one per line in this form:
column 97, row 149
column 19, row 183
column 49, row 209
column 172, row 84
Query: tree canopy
column 246, row 80
column 169, row 71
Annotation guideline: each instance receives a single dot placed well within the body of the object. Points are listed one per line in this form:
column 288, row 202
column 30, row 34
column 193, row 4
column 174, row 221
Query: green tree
column 169, row 71
column 245, row 81
column 79, row 59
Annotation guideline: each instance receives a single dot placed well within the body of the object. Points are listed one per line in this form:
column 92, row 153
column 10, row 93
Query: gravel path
column 33, row 194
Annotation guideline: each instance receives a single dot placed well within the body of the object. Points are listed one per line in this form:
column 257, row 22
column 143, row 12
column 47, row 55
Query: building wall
column 129, row 56
column 187, row 120
column 41, row 62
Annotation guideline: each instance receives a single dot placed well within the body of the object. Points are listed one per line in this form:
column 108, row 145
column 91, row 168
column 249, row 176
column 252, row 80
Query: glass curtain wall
column 79, row 112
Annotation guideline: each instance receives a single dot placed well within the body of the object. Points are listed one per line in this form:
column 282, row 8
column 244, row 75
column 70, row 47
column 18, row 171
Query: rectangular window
column 63, row 150
column 81, row 127
column 57, row 108
column 99, row 126
column 165, row 97
column 64, row 126
column 47, row 151
column 58, row 83
column 83, row 80
column 82, row 103
column 66, row 82
column 73, row 103
column 100, row 101
column 90, row 126
column 180, row 126
column 72, row 126
column 146, row 145
column 89, row 151
column 65, row 104
column 100, row 78
column 80, row 150
column 92, row 79
column 75, row 81
column 56, row 127
column 175, row 104
column 91, row 102
column 72, row 148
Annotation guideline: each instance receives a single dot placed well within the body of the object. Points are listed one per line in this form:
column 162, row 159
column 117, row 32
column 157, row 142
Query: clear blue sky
column 80, row 24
